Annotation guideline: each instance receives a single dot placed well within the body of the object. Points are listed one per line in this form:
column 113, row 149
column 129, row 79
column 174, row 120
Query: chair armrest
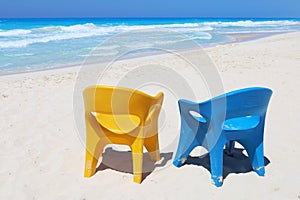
column 153, row 110
column 186, row 106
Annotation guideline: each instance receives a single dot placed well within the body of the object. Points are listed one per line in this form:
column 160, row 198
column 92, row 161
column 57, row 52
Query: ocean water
column 37, row 44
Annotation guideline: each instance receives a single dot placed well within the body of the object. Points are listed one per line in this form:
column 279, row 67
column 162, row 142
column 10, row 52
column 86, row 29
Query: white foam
column 53, row 33
column 47, row 29
column 15, row 32
column 204, row 36
column 249, row 23
column 14, row 44
column 79, row 27
column 177, row 25
column 5, row 65
column 19, row 54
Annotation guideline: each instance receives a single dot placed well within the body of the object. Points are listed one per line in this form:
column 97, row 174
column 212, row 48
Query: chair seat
column 241, row 123
column 118, row 123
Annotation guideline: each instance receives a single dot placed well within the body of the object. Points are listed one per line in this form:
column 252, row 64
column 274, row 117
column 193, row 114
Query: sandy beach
column 42, row 155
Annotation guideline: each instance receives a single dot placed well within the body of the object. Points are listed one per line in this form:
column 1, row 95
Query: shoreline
column 238, row 38
column 245, row 37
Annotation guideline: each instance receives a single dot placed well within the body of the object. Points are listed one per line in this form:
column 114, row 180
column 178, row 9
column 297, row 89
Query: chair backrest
column 118, row 100
column 238, row 103
column 244, row 102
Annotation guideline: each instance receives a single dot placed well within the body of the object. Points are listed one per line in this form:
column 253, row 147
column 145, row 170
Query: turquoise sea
column 37, row 44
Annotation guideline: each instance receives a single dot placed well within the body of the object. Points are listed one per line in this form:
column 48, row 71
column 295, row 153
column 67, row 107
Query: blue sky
column 150, row 8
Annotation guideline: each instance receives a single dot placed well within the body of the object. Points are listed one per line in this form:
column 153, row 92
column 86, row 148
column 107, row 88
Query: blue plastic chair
column 235, row 116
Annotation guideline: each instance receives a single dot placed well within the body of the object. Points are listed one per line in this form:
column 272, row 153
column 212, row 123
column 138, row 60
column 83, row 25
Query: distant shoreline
column 244, row 37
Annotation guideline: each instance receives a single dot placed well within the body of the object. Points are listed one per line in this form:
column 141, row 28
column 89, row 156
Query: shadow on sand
column 122, row 161
column 236, row 163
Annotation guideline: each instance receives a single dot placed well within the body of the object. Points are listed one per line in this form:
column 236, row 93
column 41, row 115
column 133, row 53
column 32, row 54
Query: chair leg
column 255, row 152
column 187, row 142
column 228, row 148
column 91, row 161
column 152, row 147
column 137, row 160
column 216, row 165
column 94, row 148
column 183, row 151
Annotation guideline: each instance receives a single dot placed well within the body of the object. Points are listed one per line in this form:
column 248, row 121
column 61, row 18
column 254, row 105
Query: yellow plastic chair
column 116, row 115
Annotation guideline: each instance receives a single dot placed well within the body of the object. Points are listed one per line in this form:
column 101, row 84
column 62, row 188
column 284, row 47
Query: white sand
column 42, row 157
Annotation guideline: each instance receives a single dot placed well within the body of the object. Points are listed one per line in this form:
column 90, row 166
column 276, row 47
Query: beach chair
column 116, row 115
column 235, row 116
